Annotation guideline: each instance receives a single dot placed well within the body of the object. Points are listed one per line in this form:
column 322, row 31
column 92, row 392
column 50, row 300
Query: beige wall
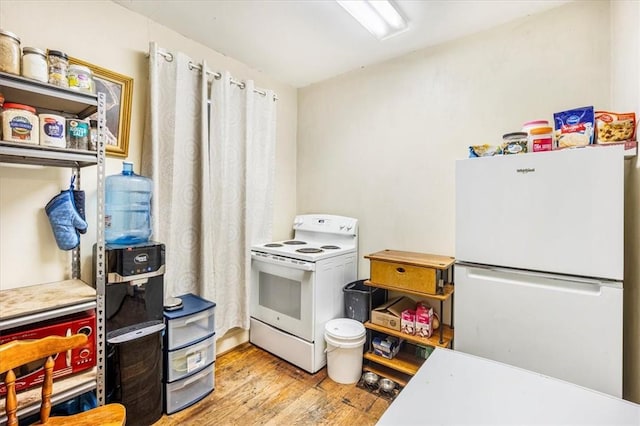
column 106, row 34
column 380, row 143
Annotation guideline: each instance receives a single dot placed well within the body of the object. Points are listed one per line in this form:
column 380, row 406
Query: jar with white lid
column 533, row 124
column 20, row 124
column 52, row 130
column 541, row 139
column 80, row 78
column 9, row 52
column 34, row 64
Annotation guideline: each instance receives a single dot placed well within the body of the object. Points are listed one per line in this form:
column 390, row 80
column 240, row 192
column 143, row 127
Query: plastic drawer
column 190, row 359
column 184, row 330
column 188, row 391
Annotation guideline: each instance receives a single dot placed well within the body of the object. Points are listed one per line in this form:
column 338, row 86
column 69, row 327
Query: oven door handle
column 283, row 261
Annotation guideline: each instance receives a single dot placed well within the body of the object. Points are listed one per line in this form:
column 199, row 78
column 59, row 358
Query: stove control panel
column 326, row 224
column 282, row 260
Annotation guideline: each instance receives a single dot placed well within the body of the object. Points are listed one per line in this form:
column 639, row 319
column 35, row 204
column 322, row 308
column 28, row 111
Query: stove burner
column 330, row 247
column 294, row 243
column 273, row 245
column 310, row 250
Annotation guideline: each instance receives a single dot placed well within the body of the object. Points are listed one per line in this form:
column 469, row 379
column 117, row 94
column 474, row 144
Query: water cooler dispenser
column 134, row 328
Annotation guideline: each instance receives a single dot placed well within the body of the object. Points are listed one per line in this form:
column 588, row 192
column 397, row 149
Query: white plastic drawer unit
column 193, row 322
column 190, row 359
column 188, row 391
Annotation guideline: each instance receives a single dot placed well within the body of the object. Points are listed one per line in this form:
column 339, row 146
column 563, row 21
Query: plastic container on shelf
column 20, row 124
column 77, row 134
column 52, row 130
column 127, row 207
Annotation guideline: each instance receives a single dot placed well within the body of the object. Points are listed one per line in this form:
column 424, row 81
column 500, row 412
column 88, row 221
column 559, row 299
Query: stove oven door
column 282, row 294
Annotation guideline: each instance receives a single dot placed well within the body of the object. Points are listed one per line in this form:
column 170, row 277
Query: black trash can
column 356, row 300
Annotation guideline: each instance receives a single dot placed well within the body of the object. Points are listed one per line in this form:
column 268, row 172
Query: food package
column 574, row 127
column 612, row 127
column 386, row 347
column 484, row 150
column 423, row 352
column 408, row 321
column 424, row 320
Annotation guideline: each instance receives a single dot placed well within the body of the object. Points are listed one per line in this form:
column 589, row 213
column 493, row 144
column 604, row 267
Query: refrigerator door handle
column 540, row 280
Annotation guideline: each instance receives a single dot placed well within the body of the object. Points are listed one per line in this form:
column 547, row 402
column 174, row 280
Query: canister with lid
column 534, row 124
column 514, row 143
column 80, row 78
column 34, row 64
column 77, row 134
column 58, row 67
column 52, row 130
column 541, row 139
column 9, row 52
column 20, row 123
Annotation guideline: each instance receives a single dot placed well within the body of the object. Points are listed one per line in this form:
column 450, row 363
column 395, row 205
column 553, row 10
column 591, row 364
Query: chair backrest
column 17, row 353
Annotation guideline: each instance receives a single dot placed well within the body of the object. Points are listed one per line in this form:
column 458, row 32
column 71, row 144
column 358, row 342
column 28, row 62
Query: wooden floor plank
column 254, row 387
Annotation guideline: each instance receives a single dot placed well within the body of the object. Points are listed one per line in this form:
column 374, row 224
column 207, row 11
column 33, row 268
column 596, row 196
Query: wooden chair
column 17, row 353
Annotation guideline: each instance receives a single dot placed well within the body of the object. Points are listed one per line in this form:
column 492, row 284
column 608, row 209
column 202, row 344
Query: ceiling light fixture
column 380, row 17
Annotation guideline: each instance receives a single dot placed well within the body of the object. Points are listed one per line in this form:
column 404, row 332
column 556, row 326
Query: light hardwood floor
column 254, row 387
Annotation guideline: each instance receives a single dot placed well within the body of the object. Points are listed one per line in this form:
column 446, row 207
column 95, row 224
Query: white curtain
column 212, row 170
column 242, row 164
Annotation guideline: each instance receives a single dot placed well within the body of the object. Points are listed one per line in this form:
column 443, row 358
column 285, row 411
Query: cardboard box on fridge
column 389, row 314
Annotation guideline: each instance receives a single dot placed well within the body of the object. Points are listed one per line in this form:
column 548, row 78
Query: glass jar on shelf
column 80, row 78
column 34, row 64
column 9, row 52
column 58, row 68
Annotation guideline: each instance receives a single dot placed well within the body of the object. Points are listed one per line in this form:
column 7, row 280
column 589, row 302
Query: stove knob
column 341, row 227
column 349, row 228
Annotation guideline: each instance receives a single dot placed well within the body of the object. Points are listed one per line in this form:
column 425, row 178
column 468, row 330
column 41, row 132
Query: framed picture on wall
column 118, row 90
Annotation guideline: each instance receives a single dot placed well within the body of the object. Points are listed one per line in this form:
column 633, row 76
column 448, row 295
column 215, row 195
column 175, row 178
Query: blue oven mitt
column 65, row 220
column 78, row 201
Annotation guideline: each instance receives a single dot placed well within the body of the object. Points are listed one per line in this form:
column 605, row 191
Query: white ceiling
column 300, row 42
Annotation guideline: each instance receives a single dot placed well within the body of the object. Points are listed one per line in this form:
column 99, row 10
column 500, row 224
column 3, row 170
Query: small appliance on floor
column 134, row 328
column 296, row 287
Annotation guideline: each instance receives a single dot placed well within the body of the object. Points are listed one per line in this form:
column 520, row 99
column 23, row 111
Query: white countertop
column 454, row 388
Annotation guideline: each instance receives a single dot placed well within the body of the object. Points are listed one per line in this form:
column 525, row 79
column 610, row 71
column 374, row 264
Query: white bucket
column 345, row 341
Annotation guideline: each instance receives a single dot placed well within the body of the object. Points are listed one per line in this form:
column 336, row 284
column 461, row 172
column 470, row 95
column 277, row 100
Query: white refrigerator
column 539, row 252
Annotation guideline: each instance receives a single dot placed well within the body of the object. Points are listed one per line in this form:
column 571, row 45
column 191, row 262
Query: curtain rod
column 169, row 58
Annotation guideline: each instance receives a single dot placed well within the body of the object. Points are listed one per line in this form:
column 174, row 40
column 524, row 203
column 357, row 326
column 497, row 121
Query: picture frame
column 118, row 89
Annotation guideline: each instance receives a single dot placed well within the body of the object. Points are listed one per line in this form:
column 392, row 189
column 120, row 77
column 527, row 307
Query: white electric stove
column 297, row 286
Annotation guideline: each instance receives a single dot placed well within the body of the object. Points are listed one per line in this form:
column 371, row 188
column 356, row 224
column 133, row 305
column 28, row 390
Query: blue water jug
column 127, row 207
